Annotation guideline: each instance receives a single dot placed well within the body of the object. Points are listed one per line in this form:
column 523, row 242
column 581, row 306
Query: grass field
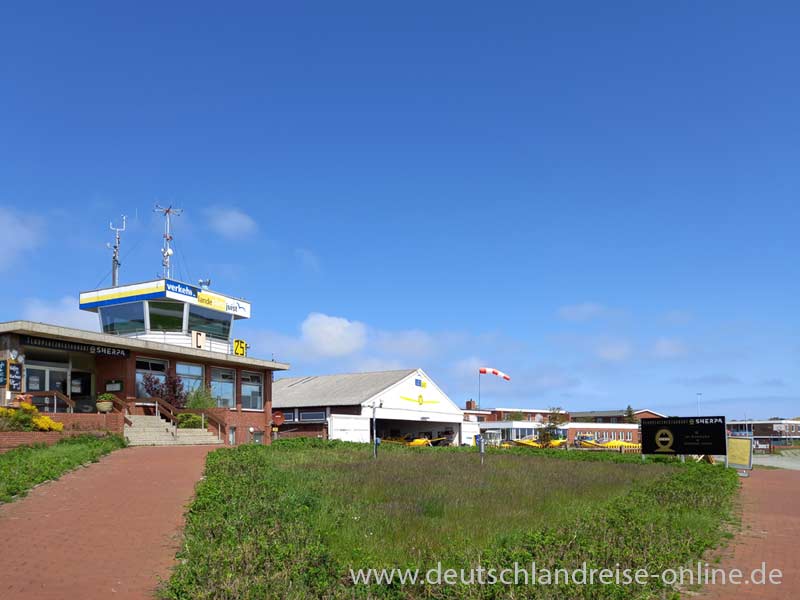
column 289, row 521
column 26, row 466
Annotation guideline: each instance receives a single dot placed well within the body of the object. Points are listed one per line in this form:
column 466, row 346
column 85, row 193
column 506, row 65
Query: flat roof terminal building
column 164, row 329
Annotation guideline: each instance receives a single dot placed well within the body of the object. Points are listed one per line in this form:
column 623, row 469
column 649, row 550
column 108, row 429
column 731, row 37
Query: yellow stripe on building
column 419, row 400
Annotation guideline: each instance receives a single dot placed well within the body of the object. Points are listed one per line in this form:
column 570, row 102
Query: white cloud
column 613, row 350
column 582, row 312
column 230, row 223
column 64, row 312
column 669, row 348
column 333, row 336
column 468, row 367
column 21, row 233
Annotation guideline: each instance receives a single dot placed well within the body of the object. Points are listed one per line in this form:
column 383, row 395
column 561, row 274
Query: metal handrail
column 170, row 412
column 57, row 396
column 221, row 424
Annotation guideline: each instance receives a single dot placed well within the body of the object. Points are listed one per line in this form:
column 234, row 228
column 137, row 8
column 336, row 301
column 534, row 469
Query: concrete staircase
column 155, row 431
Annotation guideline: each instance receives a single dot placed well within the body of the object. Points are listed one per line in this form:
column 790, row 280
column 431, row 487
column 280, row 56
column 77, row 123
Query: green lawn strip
column 289, row 521
column 24, row 467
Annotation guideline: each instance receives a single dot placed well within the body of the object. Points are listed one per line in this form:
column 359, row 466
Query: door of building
column 40, row 379
column 80, row 388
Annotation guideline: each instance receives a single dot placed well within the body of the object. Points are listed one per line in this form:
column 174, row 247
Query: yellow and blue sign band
column 123, row 295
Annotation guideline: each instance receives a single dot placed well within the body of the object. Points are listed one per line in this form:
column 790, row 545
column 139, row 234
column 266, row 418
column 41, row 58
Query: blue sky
column 600, row 199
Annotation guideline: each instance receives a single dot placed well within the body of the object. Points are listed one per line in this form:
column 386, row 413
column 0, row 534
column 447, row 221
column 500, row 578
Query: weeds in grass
column 289, row 521
column 27, row 466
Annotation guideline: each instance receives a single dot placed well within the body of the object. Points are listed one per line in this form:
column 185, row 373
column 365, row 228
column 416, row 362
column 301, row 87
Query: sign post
column 14, row 376
column 675, row 436
column 740, row 454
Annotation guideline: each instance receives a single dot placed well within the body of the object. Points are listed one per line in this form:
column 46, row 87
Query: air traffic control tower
column 165, row 310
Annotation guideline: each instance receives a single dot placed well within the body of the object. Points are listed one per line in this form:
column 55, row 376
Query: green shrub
column 190, row 421
column 201, row 398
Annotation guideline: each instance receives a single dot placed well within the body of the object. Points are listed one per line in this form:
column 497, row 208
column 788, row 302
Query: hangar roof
column 349, row 389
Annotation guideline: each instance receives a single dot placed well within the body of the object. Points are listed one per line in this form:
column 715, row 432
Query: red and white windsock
column 490, row 371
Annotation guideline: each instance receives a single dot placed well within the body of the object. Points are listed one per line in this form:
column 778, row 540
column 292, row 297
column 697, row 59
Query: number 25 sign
column 240, row 348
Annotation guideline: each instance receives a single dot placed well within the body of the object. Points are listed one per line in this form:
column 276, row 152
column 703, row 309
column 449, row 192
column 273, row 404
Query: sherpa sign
column 74, row 346
column 684, row 435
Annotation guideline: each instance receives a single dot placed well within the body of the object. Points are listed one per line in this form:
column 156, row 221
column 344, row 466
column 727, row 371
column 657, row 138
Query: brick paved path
column 770, row 533
column 108, row 531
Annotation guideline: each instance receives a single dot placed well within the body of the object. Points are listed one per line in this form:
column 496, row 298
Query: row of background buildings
column 166, row 329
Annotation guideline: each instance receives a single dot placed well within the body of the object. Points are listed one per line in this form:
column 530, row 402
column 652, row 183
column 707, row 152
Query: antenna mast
column 115, row 264
column 166, row 251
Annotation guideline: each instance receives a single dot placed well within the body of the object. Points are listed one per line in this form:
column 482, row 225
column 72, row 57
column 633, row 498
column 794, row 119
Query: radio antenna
column 166, row 251
column 115, row 264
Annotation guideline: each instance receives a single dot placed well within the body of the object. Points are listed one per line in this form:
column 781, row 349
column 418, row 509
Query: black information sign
column 684, row 435
column 74, row 346
column 2, row 373
column 15, row 376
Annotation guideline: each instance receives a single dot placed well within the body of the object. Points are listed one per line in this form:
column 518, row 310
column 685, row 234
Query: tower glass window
column 213, row 323
column 121, row 319
column 166, row 316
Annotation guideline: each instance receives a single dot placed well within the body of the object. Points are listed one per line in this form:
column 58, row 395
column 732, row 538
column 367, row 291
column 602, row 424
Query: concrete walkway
column 108, row 531
column 770, row 533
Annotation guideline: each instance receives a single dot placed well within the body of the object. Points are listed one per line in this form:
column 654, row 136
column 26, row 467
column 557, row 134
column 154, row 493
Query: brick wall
column 241, row 420
column 90, row 422
column 293, row 430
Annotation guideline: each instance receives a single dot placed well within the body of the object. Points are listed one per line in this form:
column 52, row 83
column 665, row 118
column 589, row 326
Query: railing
column 121, row 406
column 170, row 413
column 220, row 423
column 56, row 396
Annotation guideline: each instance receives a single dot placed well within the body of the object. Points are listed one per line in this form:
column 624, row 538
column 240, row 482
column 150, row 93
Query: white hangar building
column 341, row 407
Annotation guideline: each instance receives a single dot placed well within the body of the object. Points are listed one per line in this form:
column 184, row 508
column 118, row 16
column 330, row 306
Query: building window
column 223, row 387
column 191, row 376
column 252, row 391
column 123, row 318
column 232, row 436
column 166, row 316
column 630, row 436
column 288, row 416
column 149, row 366
column 215, row 324
column 312, row 415
column 258, row 437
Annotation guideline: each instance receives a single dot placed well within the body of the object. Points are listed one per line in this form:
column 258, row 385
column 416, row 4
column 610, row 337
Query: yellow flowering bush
column 45, row 423
column 27, row 418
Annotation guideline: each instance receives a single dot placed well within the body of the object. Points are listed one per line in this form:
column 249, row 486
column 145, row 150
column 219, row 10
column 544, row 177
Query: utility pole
column 115, row 264
column 166, row 251
column 375, row 428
